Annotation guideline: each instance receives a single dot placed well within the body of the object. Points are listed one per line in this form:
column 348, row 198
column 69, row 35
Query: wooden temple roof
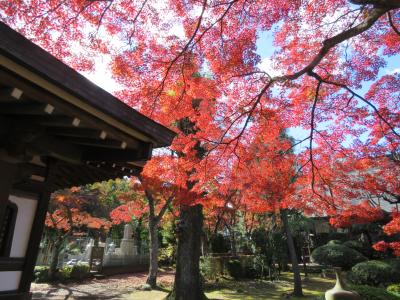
column 48, row 110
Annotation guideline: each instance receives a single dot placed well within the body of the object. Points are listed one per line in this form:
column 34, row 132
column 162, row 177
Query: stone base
column 128, row 247
column 341, row 295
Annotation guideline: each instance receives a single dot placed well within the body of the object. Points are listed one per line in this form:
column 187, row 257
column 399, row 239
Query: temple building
column 57, row 130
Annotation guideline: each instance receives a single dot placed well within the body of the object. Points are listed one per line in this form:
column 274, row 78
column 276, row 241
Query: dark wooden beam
column 37, row 227
column 112, row 144
column 116, row 155
column 30, row 186
column 46, row 120
column 11, row 263
column 9, row 94
column 22, row 51
column 75, row 132
column 7, row 173
column 63, row 107
column 15, row 295
column 25, row 109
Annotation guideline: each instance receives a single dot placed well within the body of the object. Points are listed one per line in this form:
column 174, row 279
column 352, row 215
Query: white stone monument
column 88, row 250
column 128, row 246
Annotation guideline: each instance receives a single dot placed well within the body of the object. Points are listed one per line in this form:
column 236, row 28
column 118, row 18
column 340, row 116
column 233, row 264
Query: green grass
column 260, row 290
column 152, row 295
column 228, row 289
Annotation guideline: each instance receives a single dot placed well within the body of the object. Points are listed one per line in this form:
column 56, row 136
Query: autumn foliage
column 67, row 213
column 195, row 66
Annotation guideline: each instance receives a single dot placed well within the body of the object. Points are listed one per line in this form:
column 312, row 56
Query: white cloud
column 392, row 71
column 101, row 76
column 267, row 65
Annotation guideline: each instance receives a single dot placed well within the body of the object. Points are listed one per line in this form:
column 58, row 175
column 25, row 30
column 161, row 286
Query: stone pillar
column 128, row 246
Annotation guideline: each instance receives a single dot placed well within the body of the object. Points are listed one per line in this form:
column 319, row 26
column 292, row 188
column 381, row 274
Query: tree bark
column 54, row 259
column 298, row 290
column 138, row 239
column 153, row 269
column 153, row 230
column 233, row 243
column 188, row 283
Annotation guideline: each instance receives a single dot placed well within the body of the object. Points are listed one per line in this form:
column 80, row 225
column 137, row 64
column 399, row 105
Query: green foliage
column 337, row 255
column 76, row 272
column 394, row 289
column 168, row 233
column 235, row 268
column 324, row 238
column 211, row 267
column 334, row 242
column 80, row 271
column 363, row 248
column 271, row 244
column 299, row 223
column 166, row 256
column 375, row 273
column 340, row 236
column 372, row 293
column 41, row 274
column 64, row 273
column 394, row 262
column 219, row 243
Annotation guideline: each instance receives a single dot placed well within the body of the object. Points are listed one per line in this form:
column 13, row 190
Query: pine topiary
column 337, row 255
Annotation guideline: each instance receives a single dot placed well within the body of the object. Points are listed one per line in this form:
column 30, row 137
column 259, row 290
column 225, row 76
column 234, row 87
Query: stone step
column 99, row 276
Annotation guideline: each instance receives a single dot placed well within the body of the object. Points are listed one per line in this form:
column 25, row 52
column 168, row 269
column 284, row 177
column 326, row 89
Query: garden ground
column 126, row 287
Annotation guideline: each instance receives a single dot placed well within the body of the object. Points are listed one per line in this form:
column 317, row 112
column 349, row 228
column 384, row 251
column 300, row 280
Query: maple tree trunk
column 233, row 242
column 188, row 283
column 137, row 237
column 298, row 290
column 153, row 269
column 54, row 259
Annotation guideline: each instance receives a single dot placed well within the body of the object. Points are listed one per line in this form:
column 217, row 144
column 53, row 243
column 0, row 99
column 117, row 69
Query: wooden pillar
column 7, row 175
column 37, row 228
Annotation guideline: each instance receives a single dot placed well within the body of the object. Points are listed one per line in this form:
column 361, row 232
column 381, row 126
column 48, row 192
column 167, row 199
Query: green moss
column 394, row 289
column 373, row 293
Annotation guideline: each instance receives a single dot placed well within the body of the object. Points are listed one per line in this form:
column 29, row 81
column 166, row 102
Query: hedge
column 337, row 255
column 375, row 273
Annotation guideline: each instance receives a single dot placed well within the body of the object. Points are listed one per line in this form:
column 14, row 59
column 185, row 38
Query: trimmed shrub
column 64, row 273
column 372, row 293
column 334, row 242
column 41, row 274
column 337, row 256
column 243, row 266
column 359, row 246
column 80, row 271
column 374, row 272
column 211, row 267
column 394, row 289
column 395, row 263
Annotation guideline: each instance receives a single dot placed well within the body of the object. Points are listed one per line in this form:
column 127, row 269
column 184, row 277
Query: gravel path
column 112, row 287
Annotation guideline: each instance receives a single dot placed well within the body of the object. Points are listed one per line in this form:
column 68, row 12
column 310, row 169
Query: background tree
column 66, row 215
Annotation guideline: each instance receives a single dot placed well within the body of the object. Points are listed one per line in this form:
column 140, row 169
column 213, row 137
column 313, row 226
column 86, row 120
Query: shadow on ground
column 228, row 289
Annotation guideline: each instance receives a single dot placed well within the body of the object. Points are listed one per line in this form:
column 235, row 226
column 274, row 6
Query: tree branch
column 375, row 109
column 392, row 24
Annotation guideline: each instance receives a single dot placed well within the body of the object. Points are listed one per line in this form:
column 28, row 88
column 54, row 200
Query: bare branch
column 392, row 24
column 375, row 109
